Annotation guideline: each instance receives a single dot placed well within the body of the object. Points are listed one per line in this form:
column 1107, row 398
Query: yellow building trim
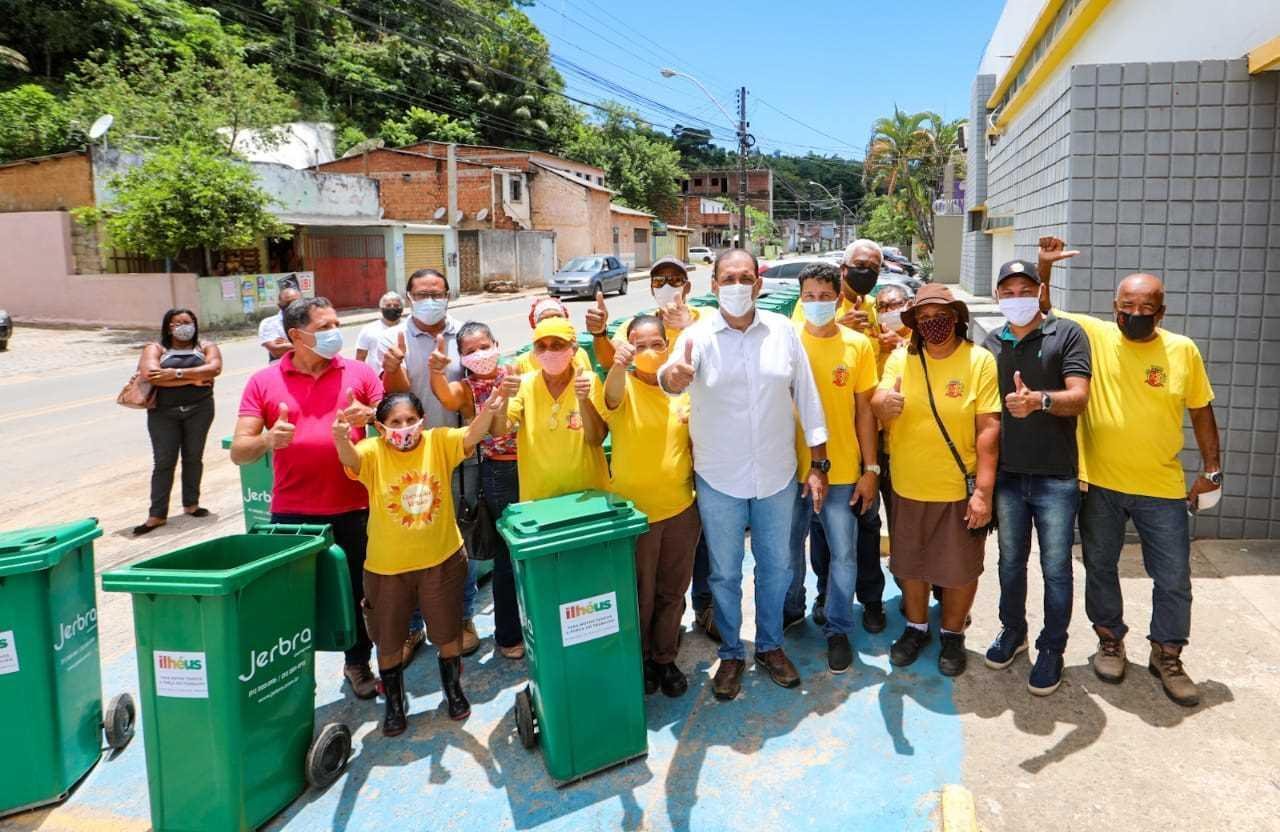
column 1003, row 229
column 1265, row 57
column 1073, row 30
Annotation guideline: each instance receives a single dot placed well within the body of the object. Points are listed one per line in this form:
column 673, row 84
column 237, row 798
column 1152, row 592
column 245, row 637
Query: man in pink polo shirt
column 297, row 400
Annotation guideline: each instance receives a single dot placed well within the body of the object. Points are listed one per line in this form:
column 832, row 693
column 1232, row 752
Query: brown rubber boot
column 1166, row 665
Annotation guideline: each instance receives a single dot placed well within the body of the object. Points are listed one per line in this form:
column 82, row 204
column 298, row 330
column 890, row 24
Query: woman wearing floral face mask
column 938, row 526
column 558, row 429
column 181, row 368
column 415, row 557
column 653, row 467
column 499, row 479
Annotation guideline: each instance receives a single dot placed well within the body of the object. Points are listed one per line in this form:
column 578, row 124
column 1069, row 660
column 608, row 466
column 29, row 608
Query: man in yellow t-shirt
column 1144, row 380
column 558, row 430
column 844, row 372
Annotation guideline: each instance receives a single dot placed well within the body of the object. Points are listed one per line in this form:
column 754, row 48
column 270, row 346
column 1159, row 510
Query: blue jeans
column 840, row 527
column 725, row 521
column 869, row 589
column 1165, row 536
column 1051, row 503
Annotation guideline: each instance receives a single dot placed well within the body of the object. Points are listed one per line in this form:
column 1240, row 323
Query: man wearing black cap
column 1044, row 366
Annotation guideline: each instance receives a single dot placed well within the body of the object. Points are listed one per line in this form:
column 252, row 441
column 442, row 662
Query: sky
column 818, row 72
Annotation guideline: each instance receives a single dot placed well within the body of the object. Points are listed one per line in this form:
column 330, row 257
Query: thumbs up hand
column 598, row 315
column 893, row 402
column 582, row 386
column 438, row 361
column 394, row 356
column 676, row 315
column 281, row 433
column 353, row 412
column 623, row 353
column 341, row 429
column 1023, row 401
column 681, row 374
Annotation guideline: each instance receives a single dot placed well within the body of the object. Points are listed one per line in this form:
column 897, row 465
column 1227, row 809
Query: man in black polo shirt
column 1044, row 368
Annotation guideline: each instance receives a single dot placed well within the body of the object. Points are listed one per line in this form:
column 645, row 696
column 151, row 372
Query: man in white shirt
column 369, row 342
column 747, row 377
column 271, row 331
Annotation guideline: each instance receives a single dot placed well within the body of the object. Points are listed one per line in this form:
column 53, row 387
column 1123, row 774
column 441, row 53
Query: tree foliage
column 419, row 125
column 888, row 221
column 33, row 122
column 186, row 196
column 907, row 161
column 639, row 164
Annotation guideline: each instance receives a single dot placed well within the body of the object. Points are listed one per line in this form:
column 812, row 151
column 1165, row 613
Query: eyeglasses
column 891, row 306
column 429, row 296
column 660, row 280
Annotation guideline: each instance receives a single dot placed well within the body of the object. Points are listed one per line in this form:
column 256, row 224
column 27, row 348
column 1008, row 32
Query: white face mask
column 736, row 300
column 891, row 321
column 1019, row 311
column 667, row 295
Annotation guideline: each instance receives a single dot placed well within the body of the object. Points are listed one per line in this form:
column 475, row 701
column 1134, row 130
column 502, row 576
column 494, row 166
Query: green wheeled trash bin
column 575, row 570
column 50, row 677
column 256, row 484
column 227, row 632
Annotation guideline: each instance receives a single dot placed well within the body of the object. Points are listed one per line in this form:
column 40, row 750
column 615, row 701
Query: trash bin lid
column 570, row 521
column 42, row 547
column 220, row 566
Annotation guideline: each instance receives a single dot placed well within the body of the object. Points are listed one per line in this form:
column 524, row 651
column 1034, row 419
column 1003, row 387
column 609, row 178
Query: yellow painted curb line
column 958, row 812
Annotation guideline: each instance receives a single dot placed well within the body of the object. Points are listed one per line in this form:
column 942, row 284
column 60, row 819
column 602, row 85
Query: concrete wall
column 975, row 258
column 37, row 281
column 527, row 257
column 948, row 237
column 47, row 183
column 252, row 297
column 557, row 203
column 1145, row 31
column 634, row 255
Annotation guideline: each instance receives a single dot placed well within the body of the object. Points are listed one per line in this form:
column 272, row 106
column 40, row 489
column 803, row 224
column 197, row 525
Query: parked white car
column 701, row 254
column 781, row 275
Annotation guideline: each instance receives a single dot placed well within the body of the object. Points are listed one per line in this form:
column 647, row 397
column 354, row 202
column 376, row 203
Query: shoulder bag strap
column 964, row 472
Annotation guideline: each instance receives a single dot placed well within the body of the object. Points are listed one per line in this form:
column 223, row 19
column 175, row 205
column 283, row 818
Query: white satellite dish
column 439, row 214
column 457, row 216
column 101, row 126
column 482, row 214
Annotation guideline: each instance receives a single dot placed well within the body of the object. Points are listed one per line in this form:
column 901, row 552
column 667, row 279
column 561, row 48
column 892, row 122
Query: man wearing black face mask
column 369, row 343
column 1144, row 378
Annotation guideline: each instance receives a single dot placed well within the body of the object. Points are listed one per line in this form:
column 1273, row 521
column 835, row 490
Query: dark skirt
column 929, row 542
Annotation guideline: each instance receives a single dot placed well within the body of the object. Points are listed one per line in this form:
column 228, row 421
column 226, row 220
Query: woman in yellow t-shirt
column 653, row 468
column 415, row 557
column 558, row 430
column 542, row 309
column 937, row 530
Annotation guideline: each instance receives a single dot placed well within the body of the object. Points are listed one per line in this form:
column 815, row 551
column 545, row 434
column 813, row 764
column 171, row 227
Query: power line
column 803, row 124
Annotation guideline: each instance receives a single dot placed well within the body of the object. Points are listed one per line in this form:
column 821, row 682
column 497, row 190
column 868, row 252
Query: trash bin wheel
column 118, row 721
column 328, row 754
column 524, row 719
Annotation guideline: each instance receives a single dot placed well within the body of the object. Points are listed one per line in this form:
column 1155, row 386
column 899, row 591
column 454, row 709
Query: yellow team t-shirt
column 528, row 362
column 842, row 308
column 652, row 456
column 1131, row 430
column 412, row 524
column 842, row 364
column 552, row 453
column 964, row 384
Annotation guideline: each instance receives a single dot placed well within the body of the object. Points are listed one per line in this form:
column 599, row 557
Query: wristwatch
column 177, row 373
column 823, row 465
column 1214, row 477
column 871, row 469
column 1046, row 402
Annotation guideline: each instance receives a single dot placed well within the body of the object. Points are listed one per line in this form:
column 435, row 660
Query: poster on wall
column 307, row 283
column 247, row 304
column 228, row 288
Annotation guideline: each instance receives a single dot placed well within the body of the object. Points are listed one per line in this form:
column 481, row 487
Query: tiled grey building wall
column 975, row 254
column 1173, row 170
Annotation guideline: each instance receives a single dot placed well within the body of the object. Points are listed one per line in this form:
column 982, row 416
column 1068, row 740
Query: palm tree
column 13, row 58
column 907, row 158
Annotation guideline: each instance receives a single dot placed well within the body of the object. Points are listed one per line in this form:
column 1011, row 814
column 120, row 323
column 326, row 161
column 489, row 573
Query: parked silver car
column 583, row 276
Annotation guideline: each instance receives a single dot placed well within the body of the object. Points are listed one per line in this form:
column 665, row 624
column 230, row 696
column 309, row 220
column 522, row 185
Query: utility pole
column 840, row 205
column 743, row 146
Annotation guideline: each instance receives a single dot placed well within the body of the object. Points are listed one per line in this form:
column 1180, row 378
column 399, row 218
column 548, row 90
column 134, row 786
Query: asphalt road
column 68, row 451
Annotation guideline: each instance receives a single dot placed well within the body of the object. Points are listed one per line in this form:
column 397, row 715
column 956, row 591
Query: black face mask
column 1136, row 327
column 861, row 281
column 392, row 313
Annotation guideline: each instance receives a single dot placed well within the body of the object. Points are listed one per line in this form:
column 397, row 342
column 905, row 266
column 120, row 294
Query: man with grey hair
column 369, row 343
column 271, row 330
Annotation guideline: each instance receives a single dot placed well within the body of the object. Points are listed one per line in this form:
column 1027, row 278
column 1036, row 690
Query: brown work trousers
column 664, row 569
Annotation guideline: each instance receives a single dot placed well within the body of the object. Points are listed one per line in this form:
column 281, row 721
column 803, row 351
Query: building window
column 714, row 182
column 684, row 186
column 600, row 180
column 641, row 235
column 517, row 189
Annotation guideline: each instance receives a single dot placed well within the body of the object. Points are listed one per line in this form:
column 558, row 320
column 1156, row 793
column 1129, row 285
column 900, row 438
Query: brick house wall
column 47, row 183
column 724, row 183
column 566, row 208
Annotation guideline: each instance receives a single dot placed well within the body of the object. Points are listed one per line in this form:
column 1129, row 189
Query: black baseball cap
column 1018, row 267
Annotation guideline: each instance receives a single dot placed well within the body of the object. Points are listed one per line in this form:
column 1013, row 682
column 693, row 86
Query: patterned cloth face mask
column 403, row 439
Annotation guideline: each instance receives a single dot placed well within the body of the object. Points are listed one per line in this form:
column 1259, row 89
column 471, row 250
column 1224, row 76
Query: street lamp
column 745, row 141
column 839, row 203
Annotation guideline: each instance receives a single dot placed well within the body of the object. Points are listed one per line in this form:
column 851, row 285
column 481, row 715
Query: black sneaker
column 908, row 646
column 953, row 659
column 820, row 611
column 873, row 619
column 839, row 654
column 789, row 621
column 650, row 678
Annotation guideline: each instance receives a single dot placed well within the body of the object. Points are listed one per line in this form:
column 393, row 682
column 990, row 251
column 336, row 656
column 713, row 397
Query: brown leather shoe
column 412, row 645
column 1166, row 665
column 728, row 679
column 779, row 667
column 706, row 619
column 363, row 683
column 470, row 641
